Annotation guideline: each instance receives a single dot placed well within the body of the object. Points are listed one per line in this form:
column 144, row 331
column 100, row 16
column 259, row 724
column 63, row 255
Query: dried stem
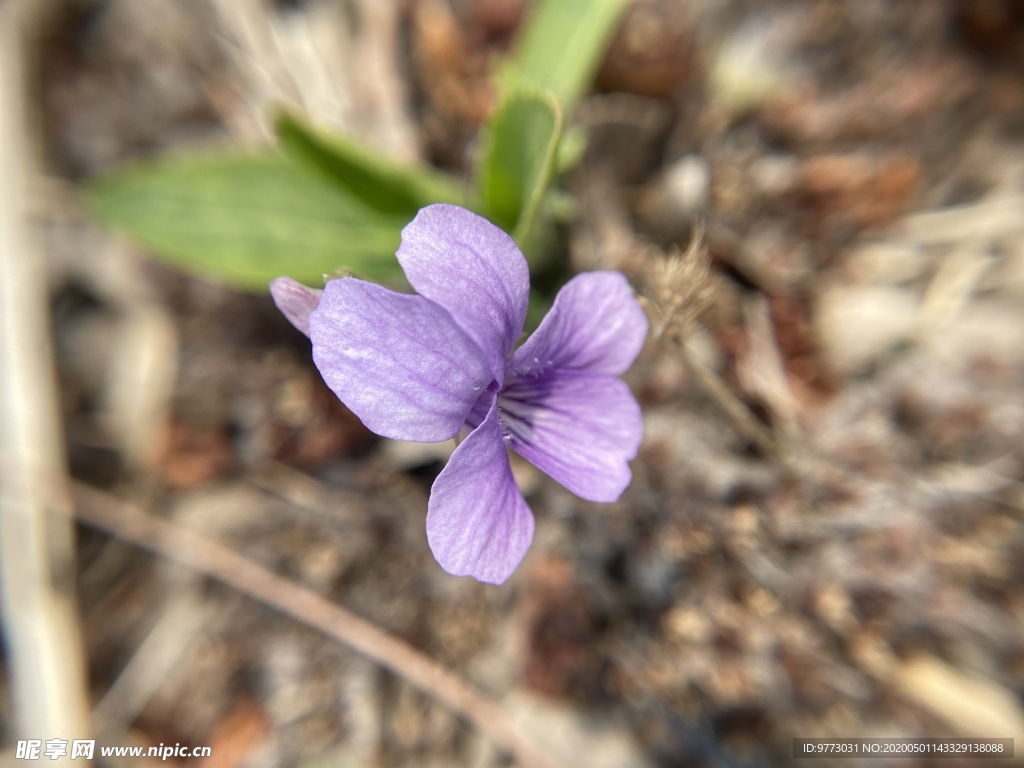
column 127, row 522
column 731, row 405
column 40, row 629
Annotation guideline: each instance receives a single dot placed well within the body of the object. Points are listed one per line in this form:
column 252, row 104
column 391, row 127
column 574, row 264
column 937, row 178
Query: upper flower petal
column 478, row 523
column 474, row 270
column 596, row 324
column 295, row 301
column 397, row 361
column 581, row 428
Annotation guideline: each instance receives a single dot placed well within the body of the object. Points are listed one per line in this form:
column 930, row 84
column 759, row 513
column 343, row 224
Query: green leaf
column 381, row 183
column 571, row 150
column 243, row 219
column 518, row 159
column 561, row 47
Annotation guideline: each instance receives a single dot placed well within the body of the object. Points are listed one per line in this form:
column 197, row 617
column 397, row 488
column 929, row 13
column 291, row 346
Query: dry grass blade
column 40, row 629
column 151, row 665
column 131, row 524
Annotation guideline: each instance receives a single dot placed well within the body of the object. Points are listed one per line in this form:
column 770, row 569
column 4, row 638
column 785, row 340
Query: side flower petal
column 474, row 270
column 596, row 324
column 295, row 301
column 397, row 361
column 478, row 523
column 581, row 428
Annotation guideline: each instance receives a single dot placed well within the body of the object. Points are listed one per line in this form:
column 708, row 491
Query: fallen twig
column 129, row 523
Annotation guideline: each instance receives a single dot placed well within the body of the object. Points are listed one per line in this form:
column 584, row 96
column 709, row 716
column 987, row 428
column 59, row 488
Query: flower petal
column 295, row 301
column 595, row 325
column 581, row 428
column 474, row 270
column 397, row 361
column 478, row 523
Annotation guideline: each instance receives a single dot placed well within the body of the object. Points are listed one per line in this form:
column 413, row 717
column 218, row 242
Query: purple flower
column 424, row 367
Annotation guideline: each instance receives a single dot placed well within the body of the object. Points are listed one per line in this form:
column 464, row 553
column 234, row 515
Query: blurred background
column 829, row 193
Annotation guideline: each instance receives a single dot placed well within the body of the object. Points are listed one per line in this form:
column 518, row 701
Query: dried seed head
column 680, row 287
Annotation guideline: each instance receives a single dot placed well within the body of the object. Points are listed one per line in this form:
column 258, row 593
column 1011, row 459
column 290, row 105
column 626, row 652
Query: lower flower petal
column 398, row 361
column 478, row 523
column 581, row 428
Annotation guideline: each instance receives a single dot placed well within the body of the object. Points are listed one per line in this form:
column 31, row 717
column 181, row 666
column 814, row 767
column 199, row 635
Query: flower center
column 520, row 403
